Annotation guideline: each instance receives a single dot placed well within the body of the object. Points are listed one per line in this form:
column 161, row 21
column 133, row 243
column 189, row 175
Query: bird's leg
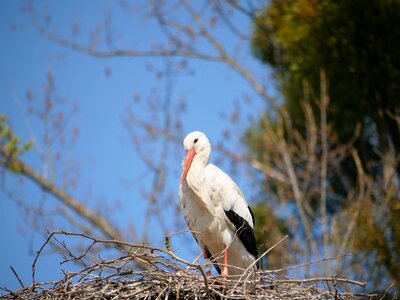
column 225, row 269
column 205, row 254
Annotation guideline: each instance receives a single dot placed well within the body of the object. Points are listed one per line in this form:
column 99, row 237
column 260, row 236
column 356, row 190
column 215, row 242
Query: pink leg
column 225, row 270
column 205, row 254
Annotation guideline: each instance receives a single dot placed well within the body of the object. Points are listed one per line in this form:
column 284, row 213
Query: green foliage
column 357, row 42
column 10, row 146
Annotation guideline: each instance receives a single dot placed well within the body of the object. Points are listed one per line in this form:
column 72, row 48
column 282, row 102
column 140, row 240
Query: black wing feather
column 252, row 216
column 244, row 231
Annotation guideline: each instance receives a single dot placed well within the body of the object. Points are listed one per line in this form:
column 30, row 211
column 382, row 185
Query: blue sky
column 103, row 150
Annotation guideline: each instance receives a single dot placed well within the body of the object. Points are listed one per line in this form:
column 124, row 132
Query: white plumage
column 215, row 209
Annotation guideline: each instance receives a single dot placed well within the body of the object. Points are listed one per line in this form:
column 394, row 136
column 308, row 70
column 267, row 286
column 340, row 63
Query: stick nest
column 166, row 277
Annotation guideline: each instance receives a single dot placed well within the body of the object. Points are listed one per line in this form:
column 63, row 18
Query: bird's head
column 195, row 143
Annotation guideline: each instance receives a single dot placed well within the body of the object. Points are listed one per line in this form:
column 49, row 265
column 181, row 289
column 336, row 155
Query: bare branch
column 324, row 163
column 61, row 195
column 95, row 219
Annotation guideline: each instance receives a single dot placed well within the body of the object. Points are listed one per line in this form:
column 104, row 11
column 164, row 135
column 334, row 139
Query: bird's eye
column 195, row 140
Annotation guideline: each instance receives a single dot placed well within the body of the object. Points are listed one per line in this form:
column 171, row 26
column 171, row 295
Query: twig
column 260, row 257
column 316, row 279
column 16, row 275
column 387, row 290
column 38, row 254
column 324, row 163
column 311, row 263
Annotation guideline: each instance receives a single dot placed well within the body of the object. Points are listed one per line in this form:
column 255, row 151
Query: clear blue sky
column 103, row 151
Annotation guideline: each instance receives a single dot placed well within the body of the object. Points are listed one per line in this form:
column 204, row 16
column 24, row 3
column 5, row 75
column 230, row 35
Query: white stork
column 215, row 210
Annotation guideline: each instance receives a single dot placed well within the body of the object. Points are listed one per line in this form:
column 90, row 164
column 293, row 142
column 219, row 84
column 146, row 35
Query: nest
column 167, row 277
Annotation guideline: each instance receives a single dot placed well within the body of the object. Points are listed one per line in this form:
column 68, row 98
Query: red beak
column 188, row 161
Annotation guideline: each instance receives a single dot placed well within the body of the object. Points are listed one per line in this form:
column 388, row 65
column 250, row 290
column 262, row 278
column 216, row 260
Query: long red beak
column 188, row 161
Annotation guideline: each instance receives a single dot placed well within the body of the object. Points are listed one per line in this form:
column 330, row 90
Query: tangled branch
column 167, row 276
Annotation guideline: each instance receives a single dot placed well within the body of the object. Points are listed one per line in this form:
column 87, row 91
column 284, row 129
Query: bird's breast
column 203, row 218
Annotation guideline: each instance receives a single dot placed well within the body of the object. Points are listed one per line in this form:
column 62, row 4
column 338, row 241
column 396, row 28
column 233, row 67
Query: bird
column 215, row 210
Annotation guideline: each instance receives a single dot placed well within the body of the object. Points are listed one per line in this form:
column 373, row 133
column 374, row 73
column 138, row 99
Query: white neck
column 195, row 176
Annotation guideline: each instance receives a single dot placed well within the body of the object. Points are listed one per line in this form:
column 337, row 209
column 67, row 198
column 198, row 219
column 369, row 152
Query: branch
column 327, row 279
column 269, row 171
column 232, row 62
column 61, row 195
column 324, row 162
column 96, row 220
column 189, row 53
column 282, row 147
column 181, row 51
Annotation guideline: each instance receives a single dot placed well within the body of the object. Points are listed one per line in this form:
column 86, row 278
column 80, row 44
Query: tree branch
column 324, row 163
column 96, row 220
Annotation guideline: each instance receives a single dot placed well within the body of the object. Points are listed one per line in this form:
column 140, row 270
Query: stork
column 215, row 210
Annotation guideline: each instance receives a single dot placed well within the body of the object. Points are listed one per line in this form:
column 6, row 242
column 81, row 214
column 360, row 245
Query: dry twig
column 168, row 277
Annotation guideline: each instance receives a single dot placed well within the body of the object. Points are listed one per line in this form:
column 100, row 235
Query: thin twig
column 324, row 164
column 16, row 275
column 260, row 257
column 387, row 290
column 317, row 279
column 311, row 263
